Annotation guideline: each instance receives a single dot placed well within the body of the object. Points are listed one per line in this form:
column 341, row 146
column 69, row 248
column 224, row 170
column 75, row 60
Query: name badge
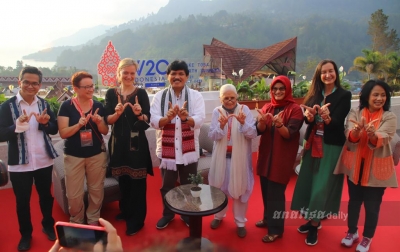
column 320, row 129
column 86, row 138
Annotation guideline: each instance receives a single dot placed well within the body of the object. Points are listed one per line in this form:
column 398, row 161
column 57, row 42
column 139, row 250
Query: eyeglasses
column 275, row 89
column 28, row 83
column 87, row 87
column 227, row 99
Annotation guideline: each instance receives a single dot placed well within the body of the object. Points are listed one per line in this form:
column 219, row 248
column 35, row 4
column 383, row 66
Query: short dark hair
column 78, row 76
column 366, row 92
column 31, row 70
column 178, row 65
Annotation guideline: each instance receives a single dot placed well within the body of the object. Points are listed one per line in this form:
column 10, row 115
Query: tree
column 393, row 73
column 383, row 40
column 19, row 65
column 372, row 63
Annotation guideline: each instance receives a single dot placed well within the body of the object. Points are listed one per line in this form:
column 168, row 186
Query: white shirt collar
column 20, row 98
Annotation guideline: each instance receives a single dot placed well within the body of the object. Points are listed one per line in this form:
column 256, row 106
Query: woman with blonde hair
column 128, row 111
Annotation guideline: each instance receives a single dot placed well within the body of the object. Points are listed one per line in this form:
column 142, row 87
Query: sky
column 29, row 26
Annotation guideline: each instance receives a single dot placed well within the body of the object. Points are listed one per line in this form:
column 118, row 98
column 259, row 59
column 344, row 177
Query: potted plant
column 195, row 179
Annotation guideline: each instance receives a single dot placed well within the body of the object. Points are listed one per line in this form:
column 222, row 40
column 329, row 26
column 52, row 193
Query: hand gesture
column 42, row 118
column 97, row 119
column 136, row 108
column 266, row 118
column 182, row 112
column 120, row 108
column 370, row 128
column 278, row 120
column 24, row 117
column 310, row 112
column 84, row 120
column 171, row 113
column 223, row 119
column 324, row 112
column 241, row 117
column 359, row 126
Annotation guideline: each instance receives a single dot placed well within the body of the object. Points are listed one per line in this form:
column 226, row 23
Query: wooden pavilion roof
column 279, row 57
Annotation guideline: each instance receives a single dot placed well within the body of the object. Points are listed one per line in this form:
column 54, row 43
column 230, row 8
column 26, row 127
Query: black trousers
column 169, row 179
column 133, row 202
column 22, row 186
column 273, row 195
column 372, row 199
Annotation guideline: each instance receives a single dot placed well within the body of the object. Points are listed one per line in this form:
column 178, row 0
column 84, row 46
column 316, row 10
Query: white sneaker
column 363, row 246
column 350, row 239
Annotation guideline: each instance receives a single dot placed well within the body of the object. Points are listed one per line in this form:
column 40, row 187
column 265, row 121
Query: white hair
column 227, row 87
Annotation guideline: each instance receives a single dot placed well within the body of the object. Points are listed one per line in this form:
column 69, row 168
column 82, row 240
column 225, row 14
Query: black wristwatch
column 185, row 119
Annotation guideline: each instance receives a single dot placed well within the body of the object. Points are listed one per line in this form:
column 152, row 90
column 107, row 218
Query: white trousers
column 239, row 212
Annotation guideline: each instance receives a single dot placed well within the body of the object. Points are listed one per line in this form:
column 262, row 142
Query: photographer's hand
column 114, row 243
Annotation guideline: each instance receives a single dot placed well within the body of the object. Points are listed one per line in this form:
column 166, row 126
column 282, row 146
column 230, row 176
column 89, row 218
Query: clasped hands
column 223, row 119
column 136, row 108
column 42, row 118
column 182, row 113
column 269, row 119
column 368, row 127
column 323, row 111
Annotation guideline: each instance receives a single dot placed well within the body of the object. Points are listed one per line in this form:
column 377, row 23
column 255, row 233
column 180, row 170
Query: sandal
column 270, row 238
column 261, row 224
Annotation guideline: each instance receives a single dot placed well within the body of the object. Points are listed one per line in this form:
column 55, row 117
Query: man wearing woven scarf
column 177, row 114
column 26, row 123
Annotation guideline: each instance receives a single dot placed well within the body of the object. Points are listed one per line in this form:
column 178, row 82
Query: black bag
column 3, row 174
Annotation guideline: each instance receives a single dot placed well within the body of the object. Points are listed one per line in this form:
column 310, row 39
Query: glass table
column 211, row 201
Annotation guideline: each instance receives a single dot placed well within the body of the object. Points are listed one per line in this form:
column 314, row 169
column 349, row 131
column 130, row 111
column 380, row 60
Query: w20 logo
column 152, row 67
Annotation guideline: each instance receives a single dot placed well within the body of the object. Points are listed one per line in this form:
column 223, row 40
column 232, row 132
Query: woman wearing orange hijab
column 278, row 124
column 367, row 160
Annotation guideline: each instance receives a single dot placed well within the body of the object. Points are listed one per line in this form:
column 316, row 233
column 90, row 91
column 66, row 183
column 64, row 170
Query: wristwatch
column 185, row 119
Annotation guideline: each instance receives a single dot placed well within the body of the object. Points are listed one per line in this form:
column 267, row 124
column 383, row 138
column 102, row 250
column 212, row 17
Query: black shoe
column 133, row 231
column 49, row 232
column 185, row 219
column 312, row 236
column 119, row 217
column 306, row 227
column 163, row 222
column 24, row 244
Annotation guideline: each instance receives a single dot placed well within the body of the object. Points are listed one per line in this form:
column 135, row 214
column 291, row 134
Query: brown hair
column 314, row 95
column 78, row 76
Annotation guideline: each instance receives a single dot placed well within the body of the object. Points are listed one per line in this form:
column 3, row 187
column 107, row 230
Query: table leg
column 195, row 226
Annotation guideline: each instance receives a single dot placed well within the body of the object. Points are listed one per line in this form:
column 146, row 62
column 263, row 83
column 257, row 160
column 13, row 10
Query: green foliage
column 245, row 92
column 54, row 104
column 300, row 89
column 261, row 89
column 383, row 39
column 343, row 82
column 99, row 99
column 195, row 179
column 2, row 98
column 373, row 63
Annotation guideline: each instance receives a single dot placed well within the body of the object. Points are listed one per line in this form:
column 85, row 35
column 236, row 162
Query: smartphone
column 134, row 141
column 79, row 236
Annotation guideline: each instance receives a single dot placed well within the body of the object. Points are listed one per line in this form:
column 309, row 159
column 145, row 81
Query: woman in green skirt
column 318, row 191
